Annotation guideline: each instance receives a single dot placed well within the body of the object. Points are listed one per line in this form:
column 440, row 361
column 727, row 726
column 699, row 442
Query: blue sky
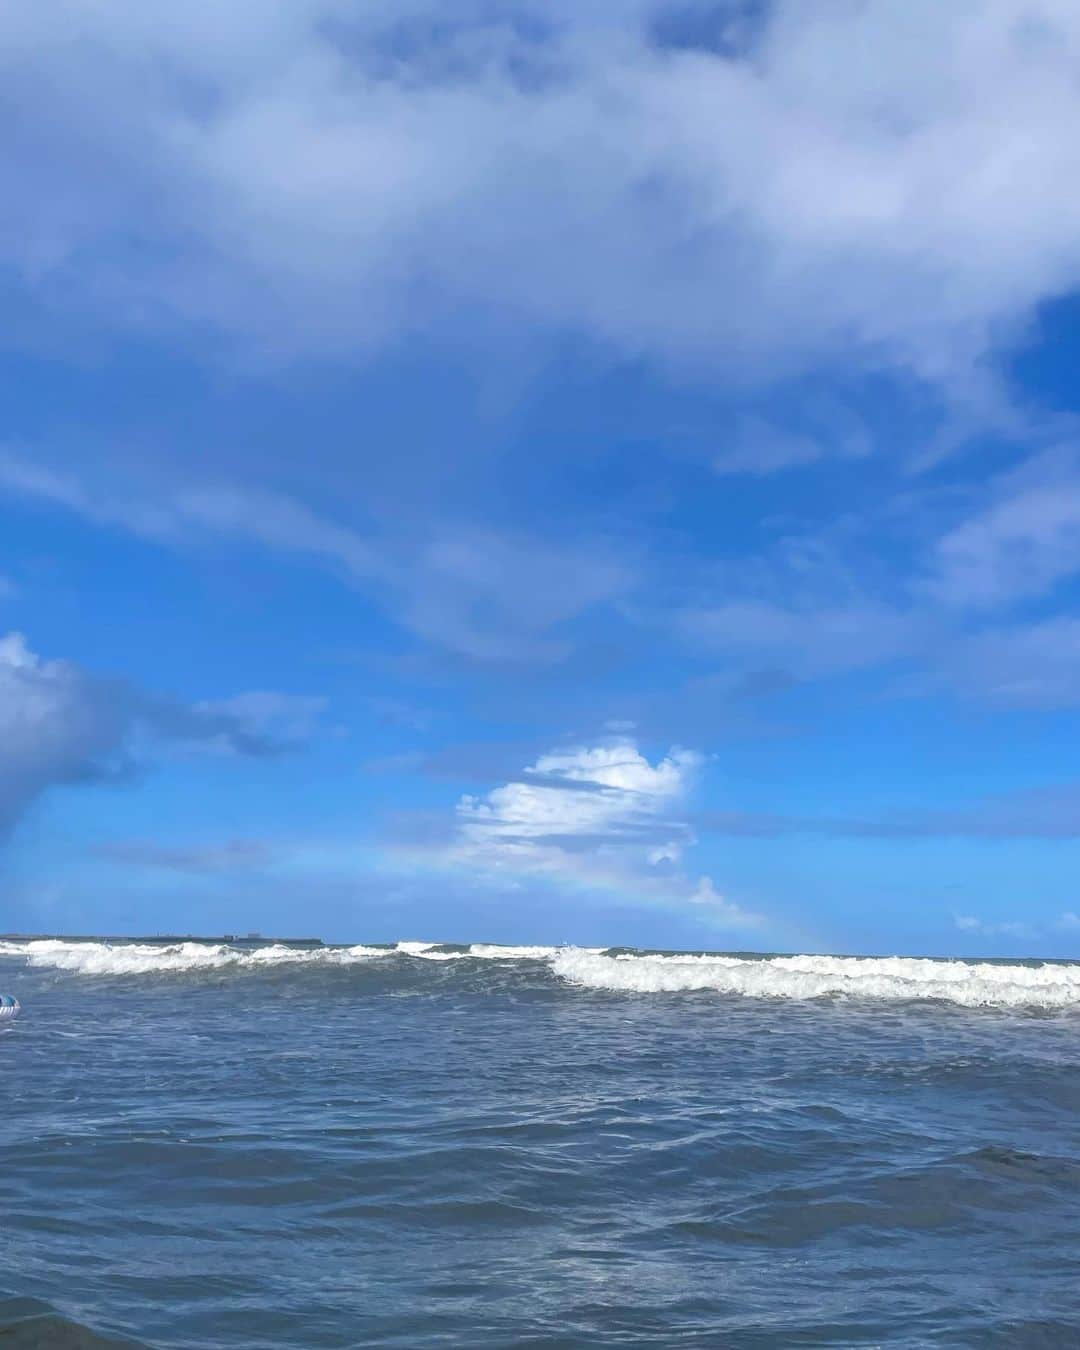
column 565, row 472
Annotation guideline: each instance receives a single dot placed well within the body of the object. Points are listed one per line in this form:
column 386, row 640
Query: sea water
column 422, row 1145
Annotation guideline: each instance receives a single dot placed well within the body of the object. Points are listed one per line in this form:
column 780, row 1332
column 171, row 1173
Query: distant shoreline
column 163, row 939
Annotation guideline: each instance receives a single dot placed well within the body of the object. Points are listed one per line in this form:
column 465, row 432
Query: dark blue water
column 411, row 1152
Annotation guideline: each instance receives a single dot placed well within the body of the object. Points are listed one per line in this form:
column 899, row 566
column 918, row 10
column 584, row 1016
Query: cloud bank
column 896, row 184
column 749, row 193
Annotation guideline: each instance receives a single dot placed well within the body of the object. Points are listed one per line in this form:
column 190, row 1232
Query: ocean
column 245, row 1145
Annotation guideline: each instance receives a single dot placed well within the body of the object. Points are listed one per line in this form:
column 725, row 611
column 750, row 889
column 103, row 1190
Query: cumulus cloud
column 597, row 795
column 599, row 816
column 61, row 725
column 897, row 182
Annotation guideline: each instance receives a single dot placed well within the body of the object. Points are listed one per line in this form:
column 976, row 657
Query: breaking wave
column 478, row 951
column 488, row 952
column 148, row 958
column 969, row 984
column 894, row 978
column 138, row 958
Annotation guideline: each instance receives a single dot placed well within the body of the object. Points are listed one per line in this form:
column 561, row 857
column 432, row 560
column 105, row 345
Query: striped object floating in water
column 9, row 1008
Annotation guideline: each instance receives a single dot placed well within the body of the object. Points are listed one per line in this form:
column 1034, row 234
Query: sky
column 543, row 472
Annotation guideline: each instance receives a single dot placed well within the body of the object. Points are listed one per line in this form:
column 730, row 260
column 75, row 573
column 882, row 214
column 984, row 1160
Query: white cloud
column 56, row 726
column 897, row 182
column 605, row 793
column 894, row 184
column 598, row 816
column 62, row 725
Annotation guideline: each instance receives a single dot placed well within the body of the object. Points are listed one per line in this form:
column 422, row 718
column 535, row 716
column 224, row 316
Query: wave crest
column 969, row 984
column 137, row 958
column 478, row 951
column 145, row 958
column 800, row 977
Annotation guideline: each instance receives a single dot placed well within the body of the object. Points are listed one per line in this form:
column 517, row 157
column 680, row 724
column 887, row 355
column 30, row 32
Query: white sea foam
column 428, row 951
column 794, row 977
column 493, row 951
column 142, row 958
column 798, row 977
column 490, row 951
column 136, row 958
column 481, row 951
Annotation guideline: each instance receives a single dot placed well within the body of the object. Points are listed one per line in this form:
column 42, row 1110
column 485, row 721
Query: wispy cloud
column 1007, row 928
column 966, row 602
column 1021, row 543
column 1049, row 812
column 1023, row 665
column 486, row 593
column 760, row 444
column 233, row 855
column 809, row 640
column 1021, row 930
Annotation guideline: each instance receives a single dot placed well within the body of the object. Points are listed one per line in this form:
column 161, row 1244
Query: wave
column 136, row 958
column 969, row 984
column 801, row 977
column 479, row 951
column 428, row 951
column 28, row 1322
column 144, row 958
column 487, row 951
